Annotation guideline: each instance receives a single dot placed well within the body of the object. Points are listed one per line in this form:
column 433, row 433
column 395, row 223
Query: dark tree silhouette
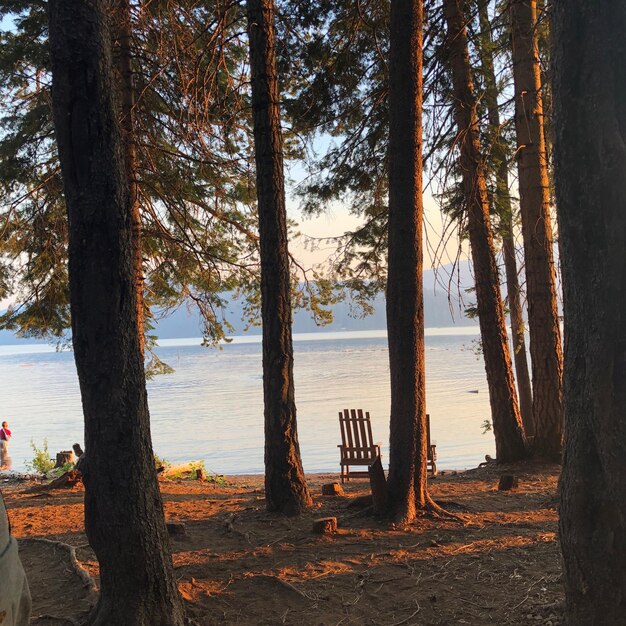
column 589, row 92
column 285, row 485
column 407, row 485
column 123, row 509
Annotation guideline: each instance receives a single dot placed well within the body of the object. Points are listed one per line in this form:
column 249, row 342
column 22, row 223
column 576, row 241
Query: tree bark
column 589, row 97
column 407, row 484
column 507, row 424
column 285, row 486
column 123, row 509
column 504, row 211
column 543, row 318
column 122, row 56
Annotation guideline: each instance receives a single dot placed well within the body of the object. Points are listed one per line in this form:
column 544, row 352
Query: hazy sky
column 338, row 220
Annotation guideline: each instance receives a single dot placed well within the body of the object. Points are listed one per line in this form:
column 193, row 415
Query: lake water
column 211, row 407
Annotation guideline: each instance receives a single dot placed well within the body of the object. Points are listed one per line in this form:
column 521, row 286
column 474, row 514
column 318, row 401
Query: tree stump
column 378, row 485
column 64, row 457
column 507, row 482
column 332, row 489
column 200, row 474
column 325, row 525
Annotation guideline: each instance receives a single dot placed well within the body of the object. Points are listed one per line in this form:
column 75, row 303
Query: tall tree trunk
column 123, row 509
column 405, row 303
column 285, row 486
column 504, row 210
column 543, row 319
column 589, row 97
column 507, row 423
column 122, row 56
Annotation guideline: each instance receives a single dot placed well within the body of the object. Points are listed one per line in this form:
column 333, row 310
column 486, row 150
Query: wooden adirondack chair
column 358, row 448
column 431, row 448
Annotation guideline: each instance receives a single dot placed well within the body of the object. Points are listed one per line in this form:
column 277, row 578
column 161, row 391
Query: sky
column 338, row 220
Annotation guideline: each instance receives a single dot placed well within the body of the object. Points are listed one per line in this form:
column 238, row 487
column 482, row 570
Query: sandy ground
column 238, row 564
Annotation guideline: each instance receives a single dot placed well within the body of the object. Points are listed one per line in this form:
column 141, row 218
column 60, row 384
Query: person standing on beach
column 5, row 435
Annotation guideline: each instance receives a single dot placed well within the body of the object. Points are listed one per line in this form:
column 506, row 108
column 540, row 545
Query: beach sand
column 238, row 564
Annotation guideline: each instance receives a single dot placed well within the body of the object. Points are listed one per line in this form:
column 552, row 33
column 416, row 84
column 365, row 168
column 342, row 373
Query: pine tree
column 407, row 484
column 123, row 510
column 507, row 425
column 193, row 171
column 532, row 163
column 285, row 485
column 589, row 89
column 498, row 158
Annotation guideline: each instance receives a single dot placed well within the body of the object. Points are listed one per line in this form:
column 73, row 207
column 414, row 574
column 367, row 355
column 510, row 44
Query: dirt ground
column 238, row 564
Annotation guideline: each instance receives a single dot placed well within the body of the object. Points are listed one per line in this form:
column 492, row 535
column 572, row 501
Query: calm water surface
column 211, row 408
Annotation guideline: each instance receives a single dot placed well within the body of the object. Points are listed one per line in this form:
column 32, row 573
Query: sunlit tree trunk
column 543, row 320
column 285, row 486
column 504, row 210
column 589, row 93
column 405, row 303
column 123, row 509
column 507, row 423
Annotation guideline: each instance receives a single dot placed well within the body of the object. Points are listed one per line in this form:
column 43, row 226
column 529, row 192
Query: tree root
column 433, row 509
column 56, row 618
column 79, row 570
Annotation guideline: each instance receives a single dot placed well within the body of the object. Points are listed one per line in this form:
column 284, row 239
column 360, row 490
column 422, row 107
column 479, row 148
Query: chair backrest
column 356, row 433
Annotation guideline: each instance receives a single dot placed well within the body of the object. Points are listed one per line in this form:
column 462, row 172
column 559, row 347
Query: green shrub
column 41, row 462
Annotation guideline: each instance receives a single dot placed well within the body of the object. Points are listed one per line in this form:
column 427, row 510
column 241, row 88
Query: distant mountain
column 439, row 311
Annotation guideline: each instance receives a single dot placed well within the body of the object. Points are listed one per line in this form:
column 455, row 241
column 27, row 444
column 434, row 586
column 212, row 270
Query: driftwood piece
column 488, row 461
column 378, row 485
column 507, row 482
column 332, row 489
column 64, row 457
column 68, row 480
column 325, row 525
